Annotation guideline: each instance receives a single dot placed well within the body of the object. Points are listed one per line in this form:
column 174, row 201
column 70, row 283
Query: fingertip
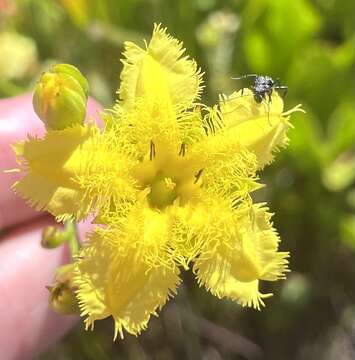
column 28, row 325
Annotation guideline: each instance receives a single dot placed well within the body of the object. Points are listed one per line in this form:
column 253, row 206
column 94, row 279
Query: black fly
column 263, row 86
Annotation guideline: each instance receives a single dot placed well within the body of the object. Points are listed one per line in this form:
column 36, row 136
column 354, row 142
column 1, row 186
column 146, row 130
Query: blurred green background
column 310, row 46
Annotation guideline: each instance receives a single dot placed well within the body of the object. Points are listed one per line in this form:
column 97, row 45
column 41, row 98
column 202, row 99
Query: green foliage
column 310, row 46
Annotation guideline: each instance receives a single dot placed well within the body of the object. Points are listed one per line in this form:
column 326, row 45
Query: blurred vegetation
column 310, row 46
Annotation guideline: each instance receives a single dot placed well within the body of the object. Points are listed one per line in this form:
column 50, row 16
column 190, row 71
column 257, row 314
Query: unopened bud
column 53, row 237
column 60, row 97
column 62, row 293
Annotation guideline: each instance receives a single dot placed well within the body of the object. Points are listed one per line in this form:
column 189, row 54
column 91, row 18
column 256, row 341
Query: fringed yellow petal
column 159, row 72
column 222, row 153
column 136, row 291
column 188, row 232
column 127, row 271
column 51, row 165
column 198, row 228
column 243, row 252
column 72, row 172
column 216, row 276
column 145, row 123
column 148, row 123
column 91, row 270
column 158, row 86
column 106, row 179
column 262, row 128
column 273, row 264
column 259, row 258
column 219, row 267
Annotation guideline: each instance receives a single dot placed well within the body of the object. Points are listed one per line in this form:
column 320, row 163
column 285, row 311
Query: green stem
column 72, row 237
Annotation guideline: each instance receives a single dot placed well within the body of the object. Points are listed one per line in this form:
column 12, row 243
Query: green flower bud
column 62, row 299
column 60, row 97
column 53, row 237
column 74, row 72
column 62, row 293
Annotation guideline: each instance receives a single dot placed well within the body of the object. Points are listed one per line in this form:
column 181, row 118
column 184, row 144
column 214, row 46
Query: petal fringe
column 222, row 153
column 73, row 172
column 51, row 165
column 262, row 128
column 241, row 253
column 216, row 276
column 127, row 271
column 159, row 72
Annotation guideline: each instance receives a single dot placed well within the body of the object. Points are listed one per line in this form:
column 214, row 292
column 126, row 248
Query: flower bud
column 60, row 97
column 52, row 237
column 62, row 293
column 74, row 72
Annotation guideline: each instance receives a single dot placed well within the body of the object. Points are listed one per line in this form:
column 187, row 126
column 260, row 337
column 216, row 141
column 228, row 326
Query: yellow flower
column 169, row 183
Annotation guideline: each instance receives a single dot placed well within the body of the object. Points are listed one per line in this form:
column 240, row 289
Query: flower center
column 163, row 192
column 170, row 177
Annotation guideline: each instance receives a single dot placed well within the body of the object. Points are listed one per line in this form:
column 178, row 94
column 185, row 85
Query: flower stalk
column 53, row 237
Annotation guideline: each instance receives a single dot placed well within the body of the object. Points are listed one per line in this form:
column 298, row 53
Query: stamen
column 182, row 151
column 151, row 151
column 198, row 175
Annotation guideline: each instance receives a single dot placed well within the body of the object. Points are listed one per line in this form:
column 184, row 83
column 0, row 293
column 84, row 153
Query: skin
column 28, row 326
